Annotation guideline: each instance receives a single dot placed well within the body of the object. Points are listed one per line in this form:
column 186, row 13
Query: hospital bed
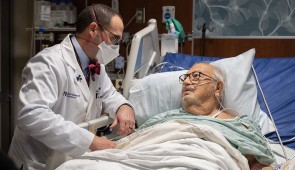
column 148, row 75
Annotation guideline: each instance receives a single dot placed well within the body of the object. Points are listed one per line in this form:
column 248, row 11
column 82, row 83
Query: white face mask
column 107, row 53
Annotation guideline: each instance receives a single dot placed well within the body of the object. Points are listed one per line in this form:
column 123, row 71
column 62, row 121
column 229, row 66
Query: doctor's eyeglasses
column 194, row 77
column 116, row 39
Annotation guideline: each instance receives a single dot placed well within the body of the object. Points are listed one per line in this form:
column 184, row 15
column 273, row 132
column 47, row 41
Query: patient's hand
column 125, row 118
column 254, row 164
column 262, row 168
column 100, row 143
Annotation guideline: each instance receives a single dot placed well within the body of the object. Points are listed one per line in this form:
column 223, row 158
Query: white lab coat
column 53, row 100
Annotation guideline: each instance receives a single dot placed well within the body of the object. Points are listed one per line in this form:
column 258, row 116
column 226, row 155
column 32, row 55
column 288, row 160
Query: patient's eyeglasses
column 194, row 77
column 116, row 39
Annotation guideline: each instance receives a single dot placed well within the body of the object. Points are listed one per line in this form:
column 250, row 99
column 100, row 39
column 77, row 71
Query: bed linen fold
column 175, row 144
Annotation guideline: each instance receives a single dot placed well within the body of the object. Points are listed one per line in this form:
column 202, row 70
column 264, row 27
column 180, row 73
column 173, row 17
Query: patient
column 201, row 104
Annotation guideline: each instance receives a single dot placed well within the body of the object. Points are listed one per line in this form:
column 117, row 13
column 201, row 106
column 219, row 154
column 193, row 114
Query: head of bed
column 275, row 76
column 144, row 53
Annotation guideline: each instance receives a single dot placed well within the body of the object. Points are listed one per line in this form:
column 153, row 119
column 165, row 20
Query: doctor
column 55, row 95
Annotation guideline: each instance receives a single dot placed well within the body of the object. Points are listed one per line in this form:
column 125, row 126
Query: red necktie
column 94, row 68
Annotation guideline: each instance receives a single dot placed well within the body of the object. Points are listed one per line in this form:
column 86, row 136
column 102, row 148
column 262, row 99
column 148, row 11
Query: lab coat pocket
column 94, row 109
column 98, row 106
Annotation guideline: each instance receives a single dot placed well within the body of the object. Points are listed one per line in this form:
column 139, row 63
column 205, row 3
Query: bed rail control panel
column 104, row 131
column 100, row 124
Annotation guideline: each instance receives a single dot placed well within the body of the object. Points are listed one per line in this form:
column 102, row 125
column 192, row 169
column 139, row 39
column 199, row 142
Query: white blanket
column 171, row 145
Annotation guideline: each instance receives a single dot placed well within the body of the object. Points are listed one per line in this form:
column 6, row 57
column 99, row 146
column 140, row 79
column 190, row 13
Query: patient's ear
column 219, row 89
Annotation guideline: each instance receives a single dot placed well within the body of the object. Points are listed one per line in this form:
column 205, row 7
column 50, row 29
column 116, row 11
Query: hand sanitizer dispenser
column 168, row 12
column 169, row 43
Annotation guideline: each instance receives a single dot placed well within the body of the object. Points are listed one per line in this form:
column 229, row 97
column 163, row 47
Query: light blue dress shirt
column 84, row 60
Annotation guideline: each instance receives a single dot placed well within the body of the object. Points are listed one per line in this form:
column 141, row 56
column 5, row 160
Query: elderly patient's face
column 198, row 87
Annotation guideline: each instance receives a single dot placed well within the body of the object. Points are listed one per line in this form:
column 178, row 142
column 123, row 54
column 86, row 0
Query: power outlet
column 119, row 85
column 140, row 15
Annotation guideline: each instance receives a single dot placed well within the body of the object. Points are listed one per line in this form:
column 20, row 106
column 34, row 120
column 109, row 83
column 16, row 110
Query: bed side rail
column 56, row 158
column 135, row 50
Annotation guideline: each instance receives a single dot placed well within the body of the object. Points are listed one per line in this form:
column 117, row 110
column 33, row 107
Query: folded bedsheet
column 174, row 144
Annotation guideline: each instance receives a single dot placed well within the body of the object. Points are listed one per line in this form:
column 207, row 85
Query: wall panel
column 225, row 47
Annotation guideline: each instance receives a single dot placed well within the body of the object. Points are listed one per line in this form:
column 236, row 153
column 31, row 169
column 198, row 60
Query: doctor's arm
column 117, row 106
column 100, row 143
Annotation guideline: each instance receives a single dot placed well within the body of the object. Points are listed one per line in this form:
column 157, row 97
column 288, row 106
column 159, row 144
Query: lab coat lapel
column 70, row 58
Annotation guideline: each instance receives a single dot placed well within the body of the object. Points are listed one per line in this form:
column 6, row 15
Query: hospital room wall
column 16, row 16
column 266, row 47
column 5, row 74
column 153, row 9
column 220, row 46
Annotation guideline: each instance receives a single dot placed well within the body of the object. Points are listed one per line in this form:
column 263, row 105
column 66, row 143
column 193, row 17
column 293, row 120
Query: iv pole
column 204, row 28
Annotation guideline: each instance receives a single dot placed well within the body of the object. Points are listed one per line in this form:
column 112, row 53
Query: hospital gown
column 241, row 132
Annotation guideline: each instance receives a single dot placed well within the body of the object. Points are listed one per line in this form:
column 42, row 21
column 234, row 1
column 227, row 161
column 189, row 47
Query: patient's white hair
column 217, row 72
column 219, row 76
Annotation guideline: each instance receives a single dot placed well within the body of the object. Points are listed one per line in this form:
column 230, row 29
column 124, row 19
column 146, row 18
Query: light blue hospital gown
column 241, row 132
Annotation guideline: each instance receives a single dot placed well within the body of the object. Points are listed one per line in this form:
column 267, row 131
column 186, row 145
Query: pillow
column 240, row 91
column 155, row 94
column 161, row 92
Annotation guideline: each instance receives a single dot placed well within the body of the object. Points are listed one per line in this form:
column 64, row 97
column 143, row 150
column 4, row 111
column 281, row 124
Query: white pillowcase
column 161, row 92
column 240, row 91
column 155, row 94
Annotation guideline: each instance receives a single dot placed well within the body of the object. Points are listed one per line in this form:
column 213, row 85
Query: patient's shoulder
column 226, row 115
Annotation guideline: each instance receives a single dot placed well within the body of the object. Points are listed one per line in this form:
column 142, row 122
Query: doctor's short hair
column 103, row 15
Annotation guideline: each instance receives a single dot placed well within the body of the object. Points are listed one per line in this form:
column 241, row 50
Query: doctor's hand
column 100, row 143
column 125, row 118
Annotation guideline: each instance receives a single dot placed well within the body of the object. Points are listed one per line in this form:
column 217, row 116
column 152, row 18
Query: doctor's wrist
column 123, row 105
